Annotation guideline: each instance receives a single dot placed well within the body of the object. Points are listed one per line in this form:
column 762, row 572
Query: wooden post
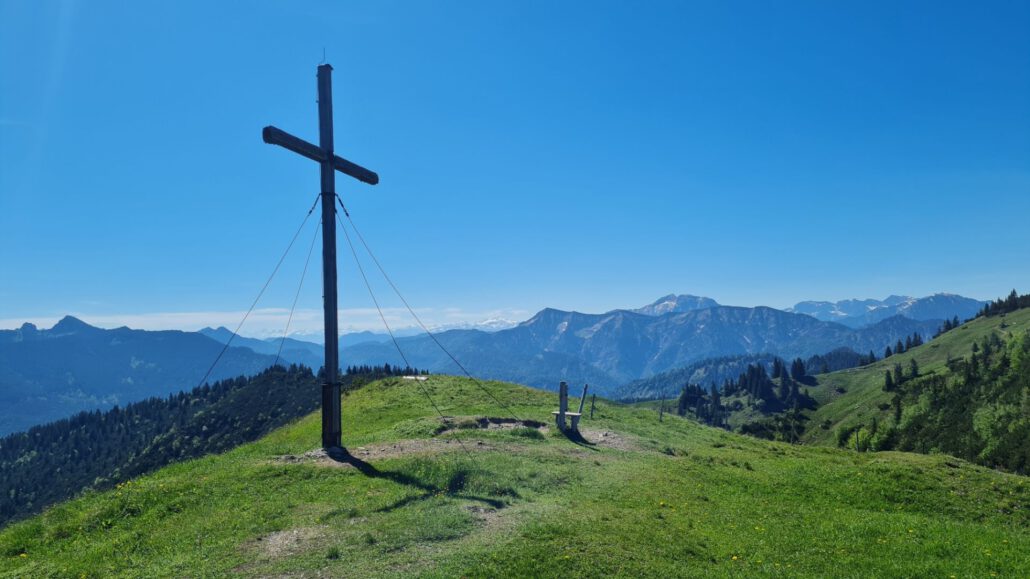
column 593, row 397
column 583, row 399
column 661, row 411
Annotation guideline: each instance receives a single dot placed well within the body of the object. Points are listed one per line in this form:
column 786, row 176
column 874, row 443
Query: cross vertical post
column 329, row 163
column 331, row 411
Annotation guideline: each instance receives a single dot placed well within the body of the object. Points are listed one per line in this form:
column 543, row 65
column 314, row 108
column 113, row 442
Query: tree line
column 839, row 359
column 900, row 347
column 757, row 389
column 948, row 326
column 1002, row 306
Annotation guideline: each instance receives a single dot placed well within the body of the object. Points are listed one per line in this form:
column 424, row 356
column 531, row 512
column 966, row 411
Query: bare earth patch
column 453, row 424
column 289, row 542
column 609, row 439
column 388, row 450
column 489, row 518
column 427, row 446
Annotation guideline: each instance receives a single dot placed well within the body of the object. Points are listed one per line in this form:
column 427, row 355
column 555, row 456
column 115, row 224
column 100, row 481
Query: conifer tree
column 784, row 391
column 797, row 369
column 716, row 417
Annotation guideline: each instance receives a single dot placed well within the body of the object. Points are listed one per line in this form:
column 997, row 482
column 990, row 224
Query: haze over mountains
column 50, row 374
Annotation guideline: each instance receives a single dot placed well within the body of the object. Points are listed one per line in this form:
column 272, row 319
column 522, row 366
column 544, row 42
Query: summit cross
column 329, row 163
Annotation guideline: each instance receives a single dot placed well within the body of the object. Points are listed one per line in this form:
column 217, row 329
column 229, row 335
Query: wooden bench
column 563, row 409
column 574, row 420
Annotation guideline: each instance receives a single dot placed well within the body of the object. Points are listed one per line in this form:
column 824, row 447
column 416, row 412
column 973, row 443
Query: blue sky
column 580, row 155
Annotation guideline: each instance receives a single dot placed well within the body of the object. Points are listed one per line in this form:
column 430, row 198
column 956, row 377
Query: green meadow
column 421, row 496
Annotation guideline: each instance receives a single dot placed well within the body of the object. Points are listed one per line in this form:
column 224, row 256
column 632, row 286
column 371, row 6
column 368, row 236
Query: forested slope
column 97, row 449
column 967, row 393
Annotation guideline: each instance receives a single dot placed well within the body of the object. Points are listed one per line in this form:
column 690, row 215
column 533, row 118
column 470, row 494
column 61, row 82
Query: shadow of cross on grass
column 453, row 487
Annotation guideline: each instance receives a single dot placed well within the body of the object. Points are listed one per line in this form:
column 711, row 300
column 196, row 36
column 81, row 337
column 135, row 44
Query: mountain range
column 46, row 374
column 610, row 349
column 861, row 313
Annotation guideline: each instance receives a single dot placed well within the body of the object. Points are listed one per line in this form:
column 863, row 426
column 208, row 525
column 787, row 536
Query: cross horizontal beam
column 274, row 136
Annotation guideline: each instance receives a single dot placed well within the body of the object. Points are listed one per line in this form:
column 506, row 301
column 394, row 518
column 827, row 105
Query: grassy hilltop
column 637, row 498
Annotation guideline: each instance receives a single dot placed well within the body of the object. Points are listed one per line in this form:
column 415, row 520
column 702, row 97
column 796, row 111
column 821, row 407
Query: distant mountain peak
column 69, row 324
column 673, row 303
column 221, row 333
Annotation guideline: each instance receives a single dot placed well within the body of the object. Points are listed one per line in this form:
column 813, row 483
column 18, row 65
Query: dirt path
column 440, row 444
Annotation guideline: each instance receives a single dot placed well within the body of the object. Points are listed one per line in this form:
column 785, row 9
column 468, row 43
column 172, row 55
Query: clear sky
column 580, row 155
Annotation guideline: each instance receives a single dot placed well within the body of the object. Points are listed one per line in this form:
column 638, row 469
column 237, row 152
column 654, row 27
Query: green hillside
column 636, row 498
column 850, row 398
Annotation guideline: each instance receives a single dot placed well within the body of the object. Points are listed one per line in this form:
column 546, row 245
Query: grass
column 852, row 397
column 649, row 499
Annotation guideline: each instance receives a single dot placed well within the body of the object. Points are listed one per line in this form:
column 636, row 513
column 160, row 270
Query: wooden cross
column 330, row 163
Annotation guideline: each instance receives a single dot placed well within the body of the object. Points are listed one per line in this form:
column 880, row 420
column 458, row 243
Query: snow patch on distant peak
column 676, row 304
